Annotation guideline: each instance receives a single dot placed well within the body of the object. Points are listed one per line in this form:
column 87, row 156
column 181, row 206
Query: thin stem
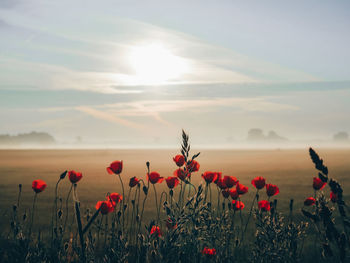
column 155, row 195
column 32, row 220
column 250, row 212
column 121, row 181
column 67, row 210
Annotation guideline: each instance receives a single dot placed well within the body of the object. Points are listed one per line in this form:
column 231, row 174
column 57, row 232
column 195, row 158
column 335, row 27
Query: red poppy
column 170, row 223
column 38, row 186
column 154, row 178
column 318, row 184
column 234, row 194
column 115, row 168
column 271, row 190
column 156, row 231
column 309, row 201
column 172, row 182
column 209, row 176
column 115, row 197
column 218, row 177
column 209, row 251
column 333, row 197
column 237, row 205
column 74, row 176
column 241, row 189
column 264, row 205
column 258, row 182
column 193, row 166
column 134, row 181
column 106, row 207
column 220, row 183
column 180, row 173
column 230, row 181
column 226, row 193
column 179, row 160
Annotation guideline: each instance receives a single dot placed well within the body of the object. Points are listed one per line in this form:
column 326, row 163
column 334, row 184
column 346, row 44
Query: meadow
column 291, row 170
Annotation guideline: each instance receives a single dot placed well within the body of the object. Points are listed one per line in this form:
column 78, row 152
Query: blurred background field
column 291, row 170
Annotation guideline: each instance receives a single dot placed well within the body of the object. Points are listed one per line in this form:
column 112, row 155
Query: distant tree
column 255, row 135
column 341, row 136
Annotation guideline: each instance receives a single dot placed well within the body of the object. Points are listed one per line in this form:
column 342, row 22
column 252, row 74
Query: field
column 291, row 170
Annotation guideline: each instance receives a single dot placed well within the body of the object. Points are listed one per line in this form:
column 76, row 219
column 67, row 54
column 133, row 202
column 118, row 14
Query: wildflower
column 180, row 173
column 241, row 189
column 105, row 207
column 154, row 178
column 333, row 197
column 179, row 160
column 74, row 176
column 230, row 181
column 226, row 193
column 134, row 181
column 264, row 205
column 271, row 190
column 156, row 231
column 209, row 251
column 193, row 166
column 172, row 182
column 258, row 182
column 209, row 176
column 234, row 194
column 220, row 183
column 309, row 201
column 115, row 197
column 170, row 223
column 237, row 205
column 38, row 186
column 115, row 168
column 318, row 184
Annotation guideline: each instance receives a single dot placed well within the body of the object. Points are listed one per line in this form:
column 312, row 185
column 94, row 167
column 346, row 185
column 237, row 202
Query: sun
column 154, row 64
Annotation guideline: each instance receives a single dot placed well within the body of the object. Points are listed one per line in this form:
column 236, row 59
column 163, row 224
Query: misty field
column 291, row 170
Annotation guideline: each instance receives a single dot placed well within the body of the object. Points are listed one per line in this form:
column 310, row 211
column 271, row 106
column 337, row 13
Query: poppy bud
column 12, row 224
column 147, row 164
column 171, row 192
column 133, row 202
column 14, row 207
column 24, row 216
column 125, row 206
column 63, row 175
column 167, row 209
column 20, row 187
column 153, row 254
column 119, row 214
column 145, row 190
column 61, row 230
column 209, row 205
column 65, row 246
column 291, row 205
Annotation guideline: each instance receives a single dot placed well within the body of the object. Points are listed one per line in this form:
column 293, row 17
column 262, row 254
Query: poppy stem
column 127, row 208
column 67, row 210
column 32, row 220
column 143, row 207
column 218, row 207
column 250, row 212
column 155, row 195
column 121, row 181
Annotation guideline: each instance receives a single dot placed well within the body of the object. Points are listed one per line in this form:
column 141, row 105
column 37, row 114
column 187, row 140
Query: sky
column 137, row 72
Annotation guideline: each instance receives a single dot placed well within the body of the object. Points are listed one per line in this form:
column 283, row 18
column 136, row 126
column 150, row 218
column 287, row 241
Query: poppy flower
column 156, row 231
column 170, row 223
column 318, row 184
column 154, row 178
column 218, row 177
column 209, row 176
column 193, row 166
column 74, row 176
column 234, row 194
column 309, row 201
column 264, row 205
column 172, row 182
column 333, row 197
column 220, row 183
column 179, row 160
column 115, row 197
column 180, row 173
column 230, row 181
column 237, row 205
column 134, row 181
column 105, row 207
column 258, row 182
column 226, row 193
column 271, row 190
column 38, row 186
column 209, row 251
column 241, row 189
column 115, row 168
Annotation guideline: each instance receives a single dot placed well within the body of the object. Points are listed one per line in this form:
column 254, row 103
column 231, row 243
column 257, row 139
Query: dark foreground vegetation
column 188, row 224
